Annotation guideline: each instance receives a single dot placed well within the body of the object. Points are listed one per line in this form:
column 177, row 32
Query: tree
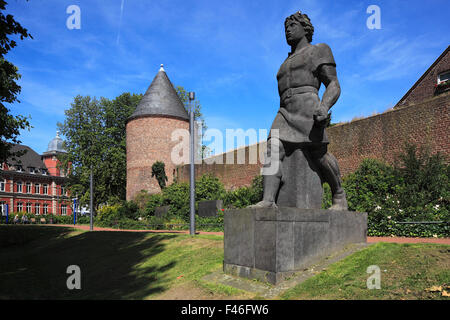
column 9, row 89
column 95, row 137
column 159, row 172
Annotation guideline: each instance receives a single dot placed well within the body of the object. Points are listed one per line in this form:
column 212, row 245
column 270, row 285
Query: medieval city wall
column 381, row 136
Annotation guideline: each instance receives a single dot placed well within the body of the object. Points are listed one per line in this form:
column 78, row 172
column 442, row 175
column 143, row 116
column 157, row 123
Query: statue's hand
column 320, row 114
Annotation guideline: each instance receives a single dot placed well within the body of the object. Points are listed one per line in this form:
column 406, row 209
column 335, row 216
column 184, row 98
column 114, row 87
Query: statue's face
column 294, row 32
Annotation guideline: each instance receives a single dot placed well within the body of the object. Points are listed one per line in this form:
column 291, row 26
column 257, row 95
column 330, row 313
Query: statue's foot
column 339, row 202
column 264, row 204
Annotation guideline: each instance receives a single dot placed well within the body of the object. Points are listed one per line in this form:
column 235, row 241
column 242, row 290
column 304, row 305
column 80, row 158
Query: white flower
column 435, row 236
column 400, row 210
column 377, row 208
column 389, row 217
column 436, row 207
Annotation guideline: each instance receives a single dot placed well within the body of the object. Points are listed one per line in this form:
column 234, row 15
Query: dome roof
column 160, row 99
column 56, row 144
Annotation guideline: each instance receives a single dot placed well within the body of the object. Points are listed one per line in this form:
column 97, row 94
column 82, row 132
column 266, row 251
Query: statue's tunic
column 298, row 85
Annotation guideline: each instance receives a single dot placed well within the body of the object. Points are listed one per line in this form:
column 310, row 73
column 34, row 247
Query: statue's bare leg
column 329, row 169
column 271, row 173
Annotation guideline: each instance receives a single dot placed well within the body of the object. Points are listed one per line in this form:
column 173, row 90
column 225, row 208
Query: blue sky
column 228, row 52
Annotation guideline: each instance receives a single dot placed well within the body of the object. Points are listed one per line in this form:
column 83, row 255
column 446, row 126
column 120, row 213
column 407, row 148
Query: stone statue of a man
column 302, row 117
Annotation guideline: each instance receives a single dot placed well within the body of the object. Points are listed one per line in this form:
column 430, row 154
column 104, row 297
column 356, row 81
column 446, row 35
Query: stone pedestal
column 301, row 185
column 209, row 208
column 271, row 244
column 162, row 211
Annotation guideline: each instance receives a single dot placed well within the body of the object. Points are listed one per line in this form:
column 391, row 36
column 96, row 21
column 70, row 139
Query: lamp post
column 91, row 228
column 74, row 211
column 192, row 165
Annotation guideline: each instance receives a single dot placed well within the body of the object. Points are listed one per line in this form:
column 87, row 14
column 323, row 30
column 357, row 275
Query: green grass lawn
column 407, row 270
column 133, row 265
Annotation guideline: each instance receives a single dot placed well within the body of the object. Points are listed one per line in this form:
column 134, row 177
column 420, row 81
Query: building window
column 2, row 185
column 28, row 207
column 37, row 208
column 44, row 171
column 444, row 77
column 28, row 187
column 19, row 186
column 45, row 208
column 64, row 209
column 63, row 190
column 37, row 188
column 19, row 206
column 3, row 208
column 45, row 188
column 31, row 169
column 19, row 168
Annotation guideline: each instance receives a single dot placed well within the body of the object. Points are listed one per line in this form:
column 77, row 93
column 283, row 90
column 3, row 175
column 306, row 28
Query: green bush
column 239, row 198
column 49, row 218
column 214, row 224
column 415, row 189
column 245, row 196
column 209, row 187
column 154, row 201
column 177, row 197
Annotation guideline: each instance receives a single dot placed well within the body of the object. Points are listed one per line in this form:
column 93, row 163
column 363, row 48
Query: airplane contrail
column 120, row 22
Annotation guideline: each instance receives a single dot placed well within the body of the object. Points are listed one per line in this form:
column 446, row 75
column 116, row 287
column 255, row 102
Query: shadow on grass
column 34, row 264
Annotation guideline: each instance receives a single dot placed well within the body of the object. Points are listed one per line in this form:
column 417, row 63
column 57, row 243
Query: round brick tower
column 149, row 135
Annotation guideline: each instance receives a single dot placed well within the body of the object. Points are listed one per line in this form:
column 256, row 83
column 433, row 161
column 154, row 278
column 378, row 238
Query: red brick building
column 33, row 183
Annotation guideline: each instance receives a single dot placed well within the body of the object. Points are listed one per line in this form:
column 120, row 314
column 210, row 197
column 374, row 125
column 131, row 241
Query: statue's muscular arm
column 328, row 76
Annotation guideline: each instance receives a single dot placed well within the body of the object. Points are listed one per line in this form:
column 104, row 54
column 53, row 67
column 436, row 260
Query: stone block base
column 271, row 244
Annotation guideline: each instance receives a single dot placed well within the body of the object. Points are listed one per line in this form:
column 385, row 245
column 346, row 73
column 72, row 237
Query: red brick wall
column 148, row 141
column 381, row 136
column 384, row 135
column 425, row 87
column 52, row 165
column 232, row 175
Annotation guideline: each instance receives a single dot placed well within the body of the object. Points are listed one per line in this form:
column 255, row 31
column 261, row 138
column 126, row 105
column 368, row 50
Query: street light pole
column 192, row 165
column 92, row 201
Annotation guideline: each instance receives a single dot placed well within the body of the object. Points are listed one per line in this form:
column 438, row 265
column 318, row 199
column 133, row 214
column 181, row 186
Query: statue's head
column 305, row 28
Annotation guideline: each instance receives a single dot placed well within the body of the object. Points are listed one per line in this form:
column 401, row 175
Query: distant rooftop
column 55, row 145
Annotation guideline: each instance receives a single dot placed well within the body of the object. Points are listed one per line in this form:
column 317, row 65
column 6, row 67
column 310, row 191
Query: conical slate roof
column 160, row 99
